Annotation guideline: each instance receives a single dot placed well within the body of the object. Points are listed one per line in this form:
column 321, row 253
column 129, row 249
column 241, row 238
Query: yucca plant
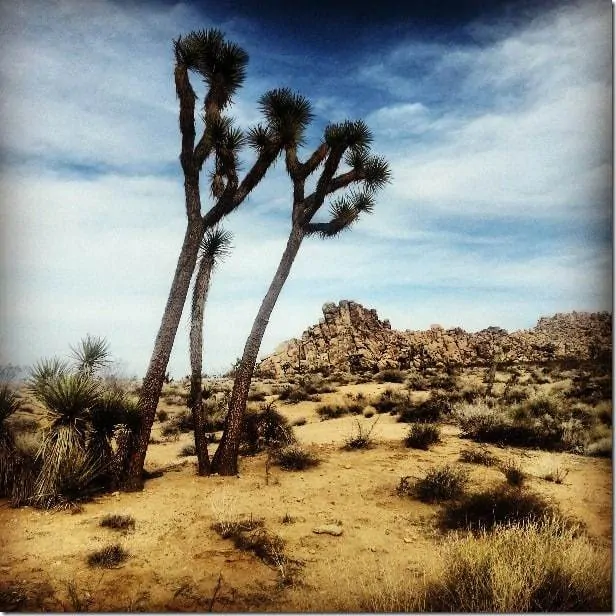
column 9, row 404
column 91, row 354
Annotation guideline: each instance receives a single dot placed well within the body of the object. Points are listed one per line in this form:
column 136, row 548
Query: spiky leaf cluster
column 221, row 63
column 348, row 134
column 260, row 137
column 9, row 404
column 288, row 114
column 91, row 354
column 216, row 244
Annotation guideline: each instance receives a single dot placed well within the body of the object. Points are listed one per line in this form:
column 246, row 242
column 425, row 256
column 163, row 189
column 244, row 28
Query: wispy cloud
column 500, row 149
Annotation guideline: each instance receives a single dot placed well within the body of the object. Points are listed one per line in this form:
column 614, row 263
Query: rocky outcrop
column 352, row 338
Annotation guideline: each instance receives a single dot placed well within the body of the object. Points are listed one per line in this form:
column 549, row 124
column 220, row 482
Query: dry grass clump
column 117, row 521
column 441, row 483
column 361, row 437
column 527, row 567
column 390, row 401
column 390, row 376
column 513, row 473
column 108, row 557
column 300, row 421
column 557, row 475
column 422, row 436
column 188, row 450
column 428, row 411
column 494, row 506
column 295, row 458
column 307, row 388
column 478, row 455
column 332, row 411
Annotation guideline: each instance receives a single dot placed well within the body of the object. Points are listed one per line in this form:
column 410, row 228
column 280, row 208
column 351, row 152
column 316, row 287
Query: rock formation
column 352, row 338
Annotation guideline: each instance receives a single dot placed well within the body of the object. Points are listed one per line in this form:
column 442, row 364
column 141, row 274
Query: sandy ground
column 177, row 560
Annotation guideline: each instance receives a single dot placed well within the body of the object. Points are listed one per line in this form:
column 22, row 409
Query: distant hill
column 352, row 338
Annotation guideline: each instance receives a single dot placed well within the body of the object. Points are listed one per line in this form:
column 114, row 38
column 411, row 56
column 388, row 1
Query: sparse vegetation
column 441, row 483
column 108, row 557
column 478, row 455
column 513, row 473
column 295, row 458
column 390, row 376
column 499, row 505
column 188, row 450
column 361, row 437
column 118, row 521
column 527, row 567
column 265, row 428
column 422, row 436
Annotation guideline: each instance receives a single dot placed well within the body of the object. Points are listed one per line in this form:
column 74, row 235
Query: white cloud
column 91, row 85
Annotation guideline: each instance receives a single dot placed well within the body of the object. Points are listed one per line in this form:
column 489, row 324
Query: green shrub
column 528, row 567
column 495, row 506
column 421, row 436
column 439, row 484
column 295, row 458
column 162, row 415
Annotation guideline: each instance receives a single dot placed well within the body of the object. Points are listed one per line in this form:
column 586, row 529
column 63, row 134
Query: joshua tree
column 222, row 65
column 215, row 245
column 289, row 114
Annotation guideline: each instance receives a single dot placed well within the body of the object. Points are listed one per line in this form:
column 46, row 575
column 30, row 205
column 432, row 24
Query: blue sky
column 495, row 117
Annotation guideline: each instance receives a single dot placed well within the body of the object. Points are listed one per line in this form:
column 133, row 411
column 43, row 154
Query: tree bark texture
column 225, row 458
column 201, row 288
column 155, row 375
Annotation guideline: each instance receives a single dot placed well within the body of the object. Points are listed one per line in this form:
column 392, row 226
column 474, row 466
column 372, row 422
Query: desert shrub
column 228, row 528
column 390, row 400
column 361, row 437
column 170, row 431
column 447, row 382
column 515, row 394
column 183, row 421
column 9, row 404
column 440, row 484
column 390, row 376
column 513, row 473
column 162, row 415
column 300, row 421
column 265, row 428
column 306, row 389
column 251, row 535
column 556, row 475
column 108, row 557
column 256, row 396
column 188, row 450
column 494, row 506
column 528, row 567
column 470, row 393
column 601, row 448
column 215, row 414
column 430, row 410
column 603, row 412
column 590, row 389
column 494, row 425
column 422, row 435
column 23, row 424
column 417, row 382
column 479, row 455
column 332, row 411
column 118, row 522
column 295, row 458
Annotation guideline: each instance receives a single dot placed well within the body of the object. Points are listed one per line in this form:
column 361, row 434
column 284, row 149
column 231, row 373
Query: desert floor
column 178, row 563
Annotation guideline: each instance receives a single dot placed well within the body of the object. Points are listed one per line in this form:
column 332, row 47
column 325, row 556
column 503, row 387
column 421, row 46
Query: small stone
column 347, row 466
column 373, row 549
column 407, row 540
column 328, row 529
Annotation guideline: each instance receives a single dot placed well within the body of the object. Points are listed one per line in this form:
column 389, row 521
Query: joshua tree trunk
column 154, row 378
column 202, row 285
column 225, row 458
